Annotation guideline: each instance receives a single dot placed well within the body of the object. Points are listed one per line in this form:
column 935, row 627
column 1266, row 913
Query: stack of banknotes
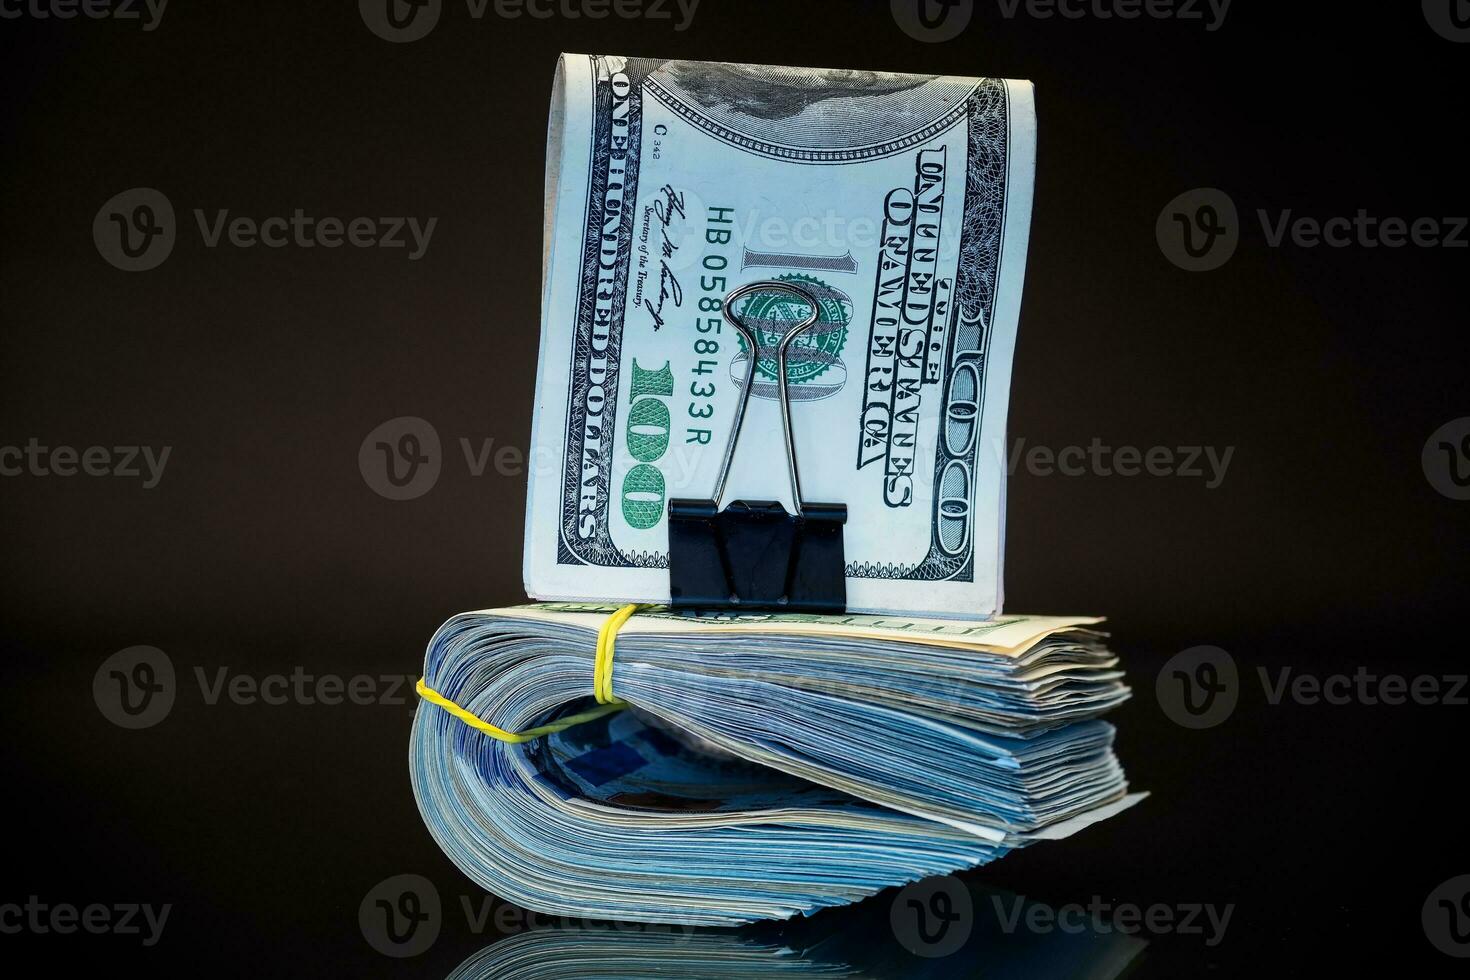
column 806, row 283
column 763, row 766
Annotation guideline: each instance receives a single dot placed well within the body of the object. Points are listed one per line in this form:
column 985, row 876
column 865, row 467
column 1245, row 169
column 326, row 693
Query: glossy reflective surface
column 254, row 782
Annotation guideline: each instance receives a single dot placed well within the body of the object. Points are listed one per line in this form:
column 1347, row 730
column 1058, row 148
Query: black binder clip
column 753, row 555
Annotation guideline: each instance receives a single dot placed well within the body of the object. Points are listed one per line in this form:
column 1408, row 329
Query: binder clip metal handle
column 753, row 555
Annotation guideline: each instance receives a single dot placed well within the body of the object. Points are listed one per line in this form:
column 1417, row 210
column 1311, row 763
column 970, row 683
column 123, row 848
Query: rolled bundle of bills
column 769, row 765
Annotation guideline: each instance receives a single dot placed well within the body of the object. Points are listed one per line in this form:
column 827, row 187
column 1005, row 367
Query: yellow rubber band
column 601, row 689
column 603, row 663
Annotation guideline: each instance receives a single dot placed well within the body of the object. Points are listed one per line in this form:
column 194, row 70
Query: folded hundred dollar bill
column 755, row 767
column 899, row 204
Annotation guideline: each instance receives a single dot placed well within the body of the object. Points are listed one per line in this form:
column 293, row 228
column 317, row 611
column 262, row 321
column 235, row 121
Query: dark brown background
column 263, row 548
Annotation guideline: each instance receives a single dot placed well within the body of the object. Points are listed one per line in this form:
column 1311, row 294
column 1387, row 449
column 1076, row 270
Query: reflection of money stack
column 877, row 940
column 829, row 262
